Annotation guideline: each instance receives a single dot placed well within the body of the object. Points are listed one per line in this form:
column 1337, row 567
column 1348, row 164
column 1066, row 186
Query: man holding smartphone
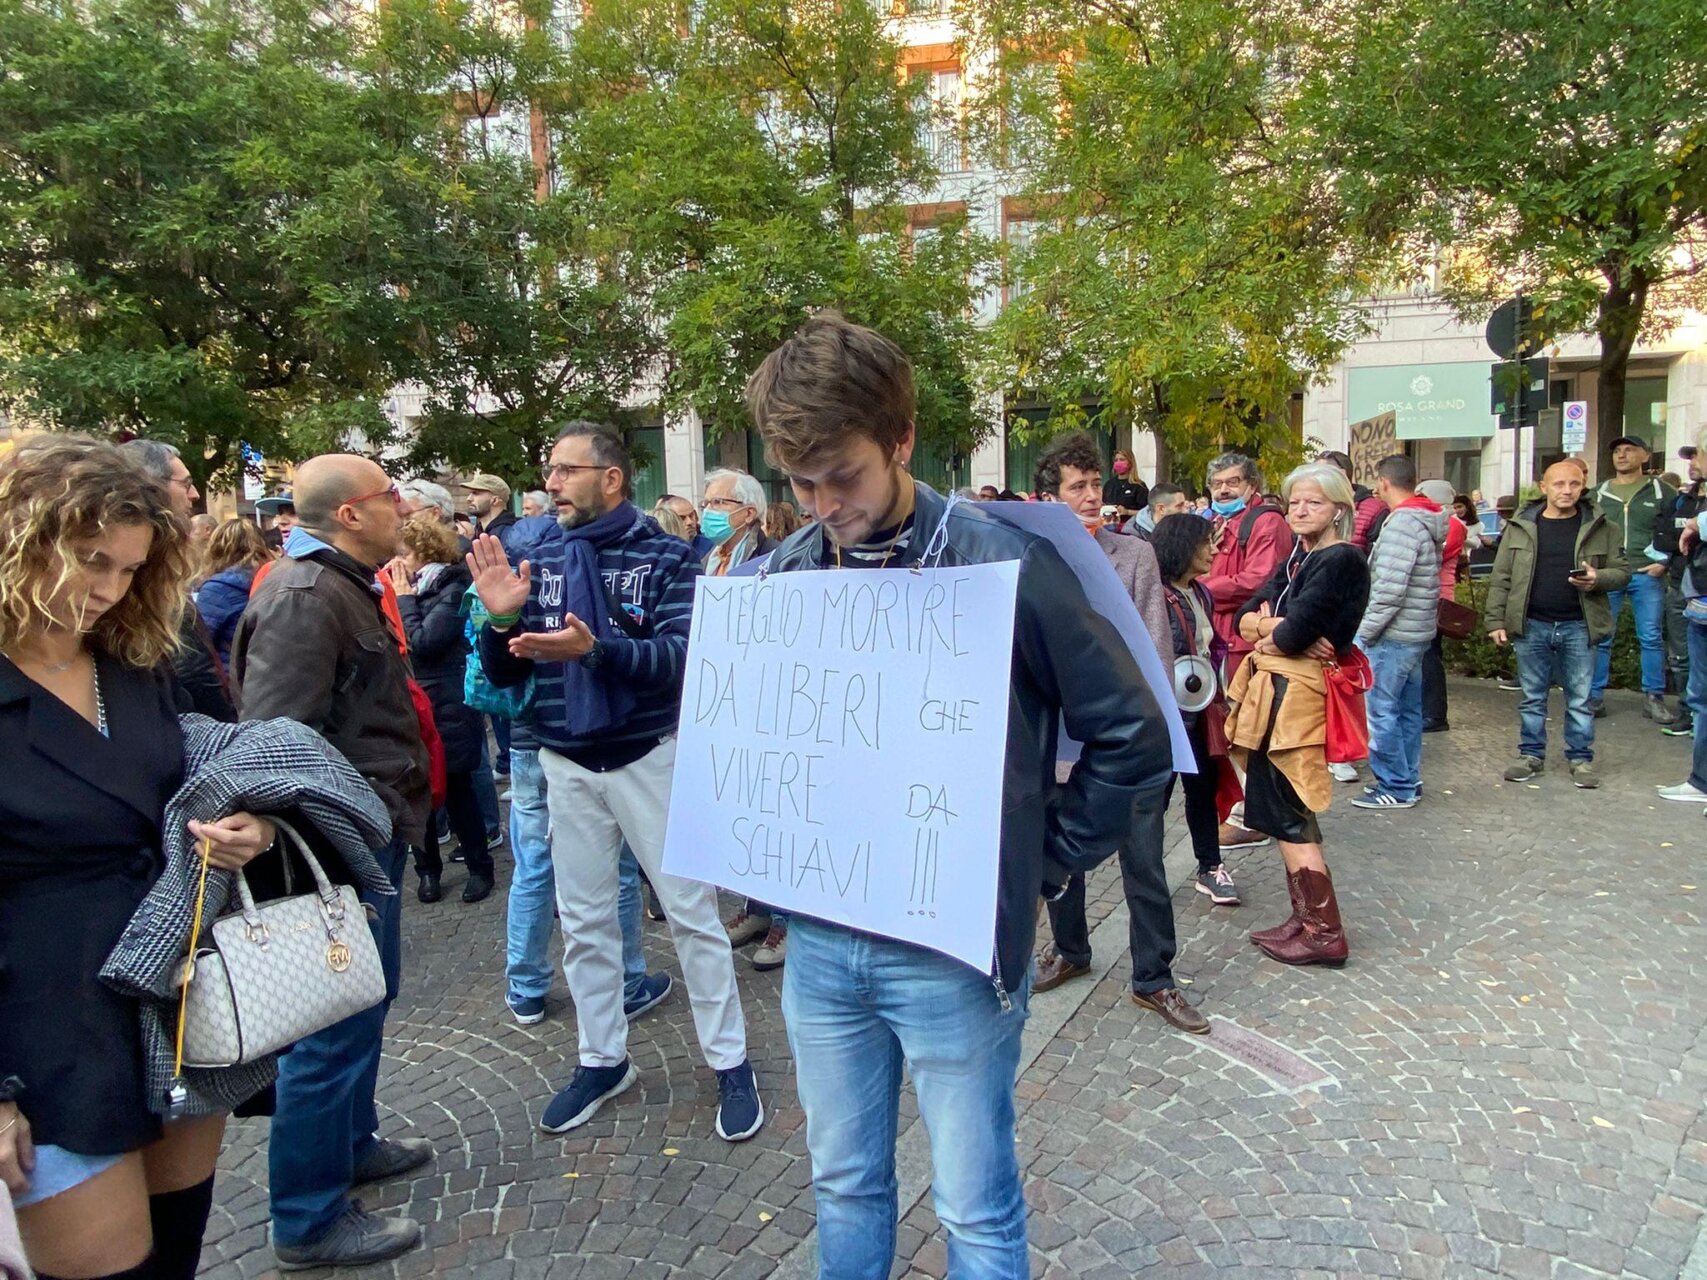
column 1547, row 598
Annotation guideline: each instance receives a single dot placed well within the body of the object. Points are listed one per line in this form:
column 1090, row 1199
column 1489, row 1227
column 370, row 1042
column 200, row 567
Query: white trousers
column 591, row 815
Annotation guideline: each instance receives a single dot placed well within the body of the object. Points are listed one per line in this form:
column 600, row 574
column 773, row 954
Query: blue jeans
column 326, row 1117
column 501, row 735
column 1647, row 596
column 486, row 790
column 1549, row 651
column 1698, row 700
column 1395, row 708
column 533, row 890
column 857, row 1007
column 532, row 885
column 629, row 899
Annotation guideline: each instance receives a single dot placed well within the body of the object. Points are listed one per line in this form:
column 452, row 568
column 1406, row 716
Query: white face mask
column 1091, row 521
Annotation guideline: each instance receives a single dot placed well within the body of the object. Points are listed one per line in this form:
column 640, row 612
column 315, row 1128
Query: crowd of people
column 405, row 638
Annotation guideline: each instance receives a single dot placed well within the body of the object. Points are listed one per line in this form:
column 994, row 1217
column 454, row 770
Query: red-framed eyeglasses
column 390, row 491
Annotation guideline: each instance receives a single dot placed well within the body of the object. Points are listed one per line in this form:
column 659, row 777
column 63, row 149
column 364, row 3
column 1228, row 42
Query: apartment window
column 1021, row 232
column 936, row 98
column 920, row 8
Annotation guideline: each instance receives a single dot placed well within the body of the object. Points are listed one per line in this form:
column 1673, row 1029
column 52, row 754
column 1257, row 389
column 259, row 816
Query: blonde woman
column 230, row 557
column 93, row 566
column 1304, row 617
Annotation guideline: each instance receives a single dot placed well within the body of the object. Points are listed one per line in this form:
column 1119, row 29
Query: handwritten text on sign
column 842, row 741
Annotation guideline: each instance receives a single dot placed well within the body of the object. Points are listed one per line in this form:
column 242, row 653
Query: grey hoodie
column 1404, row 576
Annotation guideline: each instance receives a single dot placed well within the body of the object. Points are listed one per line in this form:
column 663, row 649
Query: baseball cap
column 1635, row 440
column 271, row 506
column 482, row 482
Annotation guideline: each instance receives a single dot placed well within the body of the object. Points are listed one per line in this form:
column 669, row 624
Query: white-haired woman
column 1304, row 617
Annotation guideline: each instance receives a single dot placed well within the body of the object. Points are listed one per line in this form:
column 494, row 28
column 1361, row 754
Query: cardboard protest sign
column 842, row 745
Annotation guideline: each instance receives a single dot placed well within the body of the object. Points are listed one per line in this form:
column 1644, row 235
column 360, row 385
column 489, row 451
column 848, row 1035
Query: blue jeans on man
column 1549, row 651
column 533, row 891
column 1394, row 706
column 326, row 1118
column 857, row 1007
column 533, row 888
column 1647, row 596
column 1698, row 701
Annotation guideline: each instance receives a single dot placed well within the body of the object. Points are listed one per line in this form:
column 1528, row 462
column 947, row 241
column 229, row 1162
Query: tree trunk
column 1621, row 308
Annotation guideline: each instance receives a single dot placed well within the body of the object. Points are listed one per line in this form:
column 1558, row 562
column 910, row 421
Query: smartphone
column 1577, row 575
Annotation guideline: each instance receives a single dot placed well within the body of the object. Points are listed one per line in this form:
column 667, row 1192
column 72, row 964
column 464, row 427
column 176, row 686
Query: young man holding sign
column 602, row 627
column 835, row 404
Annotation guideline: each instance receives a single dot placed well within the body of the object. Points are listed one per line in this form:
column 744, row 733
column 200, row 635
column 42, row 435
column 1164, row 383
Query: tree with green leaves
column 1191, row 270
column 527, row 324
column 201, row 230
column 745, row 162
column 1549, row 145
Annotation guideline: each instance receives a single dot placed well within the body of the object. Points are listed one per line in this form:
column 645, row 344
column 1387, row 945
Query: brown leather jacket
column 314, row 646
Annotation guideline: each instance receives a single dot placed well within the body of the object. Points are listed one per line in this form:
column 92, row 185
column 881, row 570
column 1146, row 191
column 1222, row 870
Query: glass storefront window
column 1645, row 412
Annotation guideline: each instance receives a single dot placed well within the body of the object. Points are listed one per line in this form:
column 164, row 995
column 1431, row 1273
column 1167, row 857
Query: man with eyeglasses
column 196, row 668
column 732, row 519
column 315, row 645
column 598, row 615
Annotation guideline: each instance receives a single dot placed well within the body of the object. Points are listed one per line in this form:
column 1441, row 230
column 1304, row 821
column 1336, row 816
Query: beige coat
column 1295, row 748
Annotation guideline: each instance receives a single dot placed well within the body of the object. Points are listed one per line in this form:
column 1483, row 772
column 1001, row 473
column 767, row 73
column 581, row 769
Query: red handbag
column 437, row 777
column 1347, row 680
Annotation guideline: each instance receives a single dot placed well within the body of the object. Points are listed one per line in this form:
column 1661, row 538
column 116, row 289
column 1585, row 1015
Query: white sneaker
column 1684, row 791
column 1348, row 773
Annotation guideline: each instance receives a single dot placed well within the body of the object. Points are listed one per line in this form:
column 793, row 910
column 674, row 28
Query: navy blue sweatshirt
column 651, row 574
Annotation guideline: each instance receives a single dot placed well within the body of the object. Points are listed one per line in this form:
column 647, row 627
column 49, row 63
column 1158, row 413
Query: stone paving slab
column 1513, row 1058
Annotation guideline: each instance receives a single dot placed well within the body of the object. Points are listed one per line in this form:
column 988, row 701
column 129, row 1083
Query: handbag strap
column 190, row 962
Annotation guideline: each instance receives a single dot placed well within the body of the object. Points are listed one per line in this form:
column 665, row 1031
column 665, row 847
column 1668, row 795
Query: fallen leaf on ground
column 764, row 1217
column 1604, row 1124
column 671, row 1151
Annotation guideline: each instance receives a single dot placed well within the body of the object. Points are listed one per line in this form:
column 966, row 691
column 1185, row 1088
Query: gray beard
column 576, row 520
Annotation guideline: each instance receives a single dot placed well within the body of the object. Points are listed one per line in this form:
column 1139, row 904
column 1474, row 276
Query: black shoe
column 477, row 888
column 428, row 889
column 355, row 1239
column 390, row 1157
column 1682, row 727
column 1435, row 726
column 654, row 908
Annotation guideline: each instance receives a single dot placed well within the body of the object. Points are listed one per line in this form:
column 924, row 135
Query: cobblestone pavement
column 1507, row 1080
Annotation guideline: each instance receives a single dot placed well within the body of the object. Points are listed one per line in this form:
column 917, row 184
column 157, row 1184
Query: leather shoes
column 477, row 888
column 1172, row 1006
column 389, row 1157
column 428, row 889
column 1053, row 970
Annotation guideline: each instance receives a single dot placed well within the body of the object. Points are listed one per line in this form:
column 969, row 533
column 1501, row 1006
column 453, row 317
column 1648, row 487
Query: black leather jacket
column 1069, row 665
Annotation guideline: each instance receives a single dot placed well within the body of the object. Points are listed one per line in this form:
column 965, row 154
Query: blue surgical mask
column 715, row 525
column 1231, row 507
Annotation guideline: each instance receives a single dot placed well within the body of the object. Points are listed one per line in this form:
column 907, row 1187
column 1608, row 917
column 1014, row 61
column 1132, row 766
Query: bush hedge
column 1480, row 656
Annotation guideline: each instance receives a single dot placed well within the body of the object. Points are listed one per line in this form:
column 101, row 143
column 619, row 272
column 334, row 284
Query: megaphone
column 1194, row 682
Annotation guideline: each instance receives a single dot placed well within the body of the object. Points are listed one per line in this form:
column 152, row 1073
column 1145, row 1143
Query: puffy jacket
column 1685, row 505
column 221, row 601
column 1404, row 575
column 438, row 650
column 1599, row 542
column 315, row 646
column 1069, row 664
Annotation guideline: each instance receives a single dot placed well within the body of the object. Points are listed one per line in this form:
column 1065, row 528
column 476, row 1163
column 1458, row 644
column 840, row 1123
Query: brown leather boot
column 1322, row 939
column 1292, row 926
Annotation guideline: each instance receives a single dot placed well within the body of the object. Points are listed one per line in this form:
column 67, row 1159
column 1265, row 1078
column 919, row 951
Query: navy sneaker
column 527, row 1009
column 739, row 1111
column 1375, row 798
column 589, row 1089
column 654, row 987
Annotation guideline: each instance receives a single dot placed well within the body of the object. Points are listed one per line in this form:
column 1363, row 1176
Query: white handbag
column 272, row 974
